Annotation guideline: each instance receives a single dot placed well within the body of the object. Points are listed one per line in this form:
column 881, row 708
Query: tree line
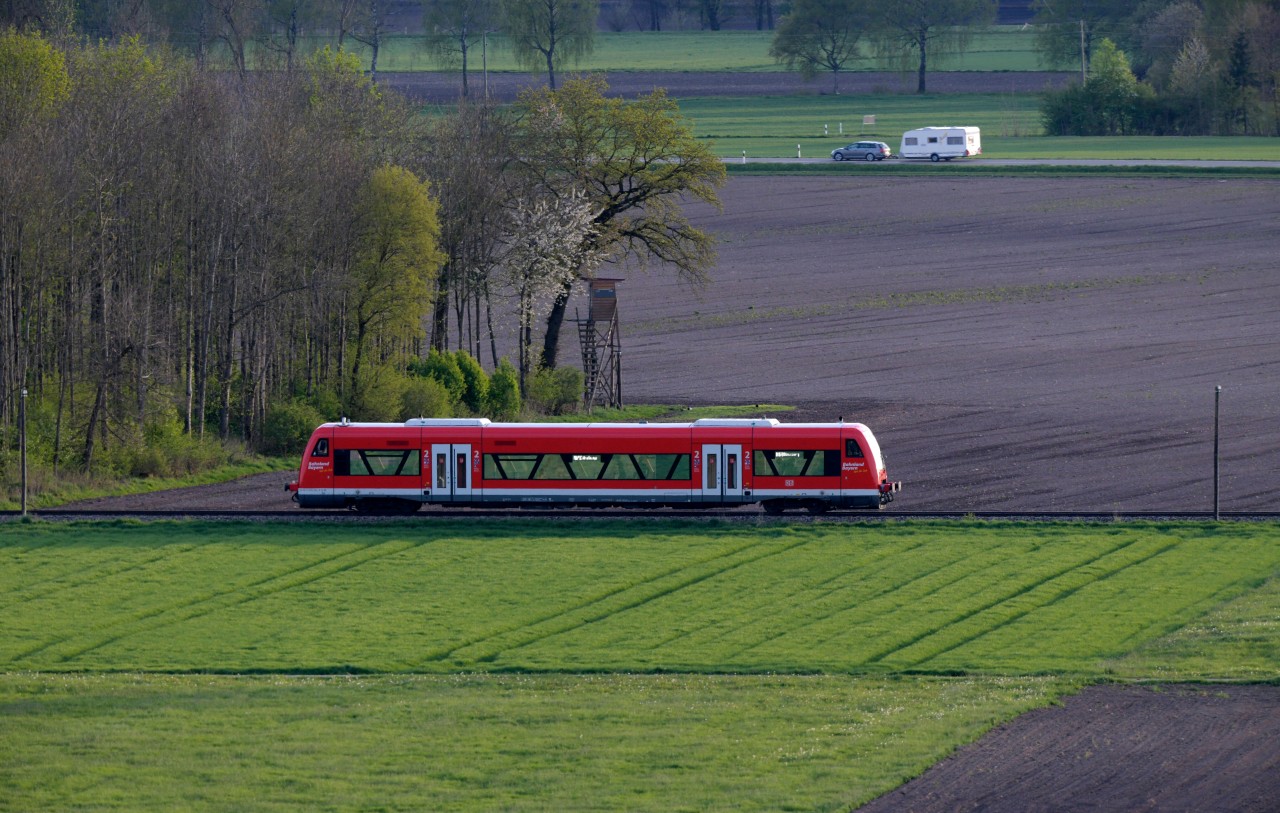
column 1149, row 66
column 1173, row 68
column 190, row 254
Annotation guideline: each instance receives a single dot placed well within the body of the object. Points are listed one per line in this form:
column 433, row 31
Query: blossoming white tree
column 548, row 247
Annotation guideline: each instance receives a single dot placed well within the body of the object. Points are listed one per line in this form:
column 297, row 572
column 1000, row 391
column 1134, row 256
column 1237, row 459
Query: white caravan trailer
column 941, row 143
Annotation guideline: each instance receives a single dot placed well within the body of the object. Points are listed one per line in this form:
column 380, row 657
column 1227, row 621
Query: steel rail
column 748, row 514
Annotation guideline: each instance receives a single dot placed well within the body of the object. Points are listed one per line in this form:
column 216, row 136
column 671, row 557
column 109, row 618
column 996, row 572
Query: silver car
column 863, row 150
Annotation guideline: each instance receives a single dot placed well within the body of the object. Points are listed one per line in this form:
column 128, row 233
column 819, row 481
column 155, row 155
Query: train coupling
column 887, row 490
column 292, row 487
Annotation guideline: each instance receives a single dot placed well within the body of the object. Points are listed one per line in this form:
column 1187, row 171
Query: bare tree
column 549, row 33
column 913, row 30
column 454, row 28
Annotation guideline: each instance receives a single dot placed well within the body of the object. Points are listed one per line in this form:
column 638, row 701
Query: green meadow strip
column 484, row 742
column 440, row 595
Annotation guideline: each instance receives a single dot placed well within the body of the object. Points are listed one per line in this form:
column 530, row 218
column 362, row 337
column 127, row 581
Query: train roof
column 715, row 423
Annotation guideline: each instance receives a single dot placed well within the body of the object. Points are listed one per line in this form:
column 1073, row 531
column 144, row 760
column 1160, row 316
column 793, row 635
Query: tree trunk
column 551, row 342
column 923, row 44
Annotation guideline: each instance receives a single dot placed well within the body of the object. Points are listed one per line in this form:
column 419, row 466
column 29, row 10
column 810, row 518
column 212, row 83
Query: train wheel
column 817, row 507
column 385, row 506
column 773, row 507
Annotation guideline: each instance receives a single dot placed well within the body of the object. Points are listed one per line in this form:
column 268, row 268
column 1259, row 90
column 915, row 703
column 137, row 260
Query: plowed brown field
column 1016, row 344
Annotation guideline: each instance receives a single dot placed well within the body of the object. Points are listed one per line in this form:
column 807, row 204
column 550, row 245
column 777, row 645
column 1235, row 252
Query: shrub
column 443, row 367
column 555, row 392
column 288, row 426
column 504, row 392
column 425, row 398
column 476, row 381
column 379, row 394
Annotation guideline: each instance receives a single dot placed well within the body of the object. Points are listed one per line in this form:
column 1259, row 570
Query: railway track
column 752, row 515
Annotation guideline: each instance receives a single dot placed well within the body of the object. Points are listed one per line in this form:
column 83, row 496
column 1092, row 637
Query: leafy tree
column 504, row 392
column 637, row 162
column 442, row 367
column 549, row 33
column 33, row 80
column 425, row 398
column 55, row 18
column 1109, row 103
column 555, row 392
column 476, row 380
column 288, row 426
column 455, row 27
column 395, row 261
column 912, row 30
column 1112, row 88
column 1194, row 78
column 1163, row 36
column 821, row 35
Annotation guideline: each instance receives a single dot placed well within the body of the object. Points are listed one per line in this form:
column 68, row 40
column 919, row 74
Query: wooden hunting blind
column 601, row 345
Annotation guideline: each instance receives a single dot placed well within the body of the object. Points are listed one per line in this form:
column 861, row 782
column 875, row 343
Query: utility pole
column 1083, row 66
column 22, row 436
column 1217, row 400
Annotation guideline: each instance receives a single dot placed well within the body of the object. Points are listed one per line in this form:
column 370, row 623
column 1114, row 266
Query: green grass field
column 642, row 665
column 773, row 126
column 998, row 48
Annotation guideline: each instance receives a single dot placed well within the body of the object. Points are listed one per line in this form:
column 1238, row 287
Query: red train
column 396, row 467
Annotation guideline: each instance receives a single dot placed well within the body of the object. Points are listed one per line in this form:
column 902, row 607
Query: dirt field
column 444, row 88
column 1016, row 344
column 1114, row 749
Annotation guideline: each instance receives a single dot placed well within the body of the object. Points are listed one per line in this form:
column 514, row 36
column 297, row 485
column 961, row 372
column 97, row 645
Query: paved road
column 1025, row 162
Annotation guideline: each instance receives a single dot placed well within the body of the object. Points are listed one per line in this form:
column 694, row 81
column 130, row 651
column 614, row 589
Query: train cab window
column 797, row 462
column 851, row 448
column 321, row 448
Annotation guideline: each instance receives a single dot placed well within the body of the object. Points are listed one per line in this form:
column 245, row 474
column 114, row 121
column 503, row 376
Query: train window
column 851, row 448
column 321, row 449
column 376, row 463
column 553, row 468
column 662, row 466
column 797, row 463
column 732, row 474
column 510, row 466
column 461, row 479
column 604, row 466
column 621, row 467
column 713, row 462
column 442, row 471
column 586, row 466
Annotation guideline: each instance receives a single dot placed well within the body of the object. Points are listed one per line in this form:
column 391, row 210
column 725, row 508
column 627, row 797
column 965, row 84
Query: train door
column 451, row 472
column 722, row 472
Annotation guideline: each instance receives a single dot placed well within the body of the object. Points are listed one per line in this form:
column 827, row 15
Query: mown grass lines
column 443, row 597
column 614, row 600
column 184, row 609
